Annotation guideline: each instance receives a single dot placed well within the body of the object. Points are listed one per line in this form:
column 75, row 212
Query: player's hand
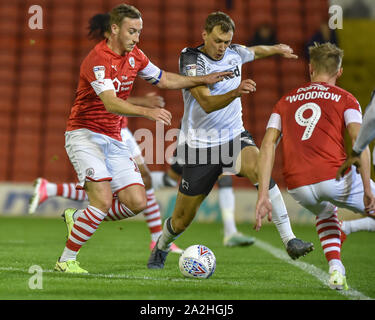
column 285, row 51
column 154, row 101
column 263, row 208
column 160, row 114
column 356, row 161
column 216, row 77
column 369, row 202
column 245, row 87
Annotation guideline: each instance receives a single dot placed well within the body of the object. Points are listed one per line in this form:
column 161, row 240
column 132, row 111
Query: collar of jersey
column 201, row 45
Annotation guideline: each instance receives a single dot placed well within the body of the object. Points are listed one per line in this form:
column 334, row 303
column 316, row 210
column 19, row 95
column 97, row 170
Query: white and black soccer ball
column 197, row 261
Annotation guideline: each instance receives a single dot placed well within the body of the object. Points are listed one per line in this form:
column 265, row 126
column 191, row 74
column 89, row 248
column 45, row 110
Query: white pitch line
column 321, row 275
column 125, row 276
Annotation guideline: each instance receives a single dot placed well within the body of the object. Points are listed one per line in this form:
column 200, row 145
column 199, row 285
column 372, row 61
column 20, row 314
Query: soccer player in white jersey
column 365, row 136
column 312, row 120
column 93, row 141
column 212, row 138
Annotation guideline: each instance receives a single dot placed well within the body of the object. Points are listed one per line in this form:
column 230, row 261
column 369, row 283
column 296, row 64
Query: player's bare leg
column 184, row 212
column 246, row 165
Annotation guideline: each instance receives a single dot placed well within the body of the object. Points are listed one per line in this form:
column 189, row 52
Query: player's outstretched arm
column 266, row 160
column 211, row 103
column 278, row 49
column 171, row 80
column 365, row 136
column 122, row 107
column 150, row 100
column 364, row 169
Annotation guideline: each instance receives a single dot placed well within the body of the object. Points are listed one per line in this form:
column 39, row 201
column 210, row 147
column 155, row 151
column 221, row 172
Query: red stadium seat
column 260, row 5
column 295, row 67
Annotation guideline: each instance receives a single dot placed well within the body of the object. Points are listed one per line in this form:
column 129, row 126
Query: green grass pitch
column 117, row 254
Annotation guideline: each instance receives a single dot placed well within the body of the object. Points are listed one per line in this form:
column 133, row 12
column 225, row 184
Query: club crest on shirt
column 132, row 62
column 90, row 172
column 99, row 72
column 191, row 70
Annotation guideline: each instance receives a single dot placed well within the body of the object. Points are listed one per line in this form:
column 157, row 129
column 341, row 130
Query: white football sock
column 363, row 224
column 51, row 189
column 227, row 205
column 160, row 179
column 280, row 215
column 168, row 236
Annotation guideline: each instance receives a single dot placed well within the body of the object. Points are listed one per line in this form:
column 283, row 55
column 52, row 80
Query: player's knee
column 137, row 203
column 103, row 204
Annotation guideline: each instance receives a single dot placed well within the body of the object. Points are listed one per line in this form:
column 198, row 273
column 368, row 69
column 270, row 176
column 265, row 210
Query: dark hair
column 122, row 11
column 98, row 26
column 221, row 19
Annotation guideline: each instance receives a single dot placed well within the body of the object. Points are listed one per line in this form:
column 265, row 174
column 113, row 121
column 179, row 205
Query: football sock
column 328, row 228
column 152, row 215
column 167, row 236
column 66, row 190
column 87, row 222
column 280, row 215
column 118, row 211
column 363, row 224
column 227, row 205
column 160, row 179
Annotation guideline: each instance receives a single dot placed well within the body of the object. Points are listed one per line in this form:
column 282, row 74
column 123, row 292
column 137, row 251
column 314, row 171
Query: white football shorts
column 322, row 198
column 97, row 157
column 132, row 144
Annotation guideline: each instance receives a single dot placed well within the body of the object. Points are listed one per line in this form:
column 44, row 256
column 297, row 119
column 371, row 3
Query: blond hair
column 326, row 58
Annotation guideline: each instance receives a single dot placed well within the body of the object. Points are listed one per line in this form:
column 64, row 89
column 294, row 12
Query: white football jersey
column 198, row 128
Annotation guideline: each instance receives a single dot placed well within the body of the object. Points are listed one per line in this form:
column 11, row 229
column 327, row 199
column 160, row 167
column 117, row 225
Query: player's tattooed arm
column 279, row 49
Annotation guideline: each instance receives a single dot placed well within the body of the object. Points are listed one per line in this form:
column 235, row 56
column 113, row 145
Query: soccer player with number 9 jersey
column 312, row 120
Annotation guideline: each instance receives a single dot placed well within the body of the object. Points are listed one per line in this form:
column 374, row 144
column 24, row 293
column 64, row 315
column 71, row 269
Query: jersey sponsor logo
column 99, row 72
column 132, row 62
column 236, row 71
column 191, row 70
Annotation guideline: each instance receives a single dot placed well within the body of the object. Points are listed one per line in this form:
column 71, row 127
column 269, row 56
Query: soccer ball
column 197, row 261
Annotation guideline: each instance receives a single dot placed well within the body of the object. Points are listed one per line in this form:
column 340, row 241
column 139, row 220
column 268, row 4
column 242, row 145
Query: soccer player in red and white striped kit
column 312, row 120
column 93, row 142
column 44, row 189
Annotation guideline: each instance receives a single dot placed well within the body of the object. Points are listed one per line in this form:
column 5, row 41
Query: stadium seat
column 260, row 5
column 289, row 19
column 55, row 124
column 288, row 5
column 7, row 94
column 207, row 5
column 295, row 67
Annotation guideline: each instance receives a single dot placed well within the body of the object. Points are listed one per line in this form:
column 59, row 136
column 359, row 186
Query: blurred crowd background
column 39, row 68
